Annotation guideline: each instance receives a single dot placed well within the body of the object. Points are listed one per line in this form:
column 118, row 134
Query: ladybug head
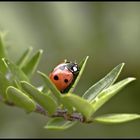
column 73, row 67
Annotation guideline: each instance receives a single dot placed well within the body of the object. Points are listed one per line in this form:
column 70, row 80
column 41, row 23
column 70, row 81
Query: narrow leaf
column 2, row 54
column 116, row 118
column 104, row 83
column 43, row 99
column 4, row 83
column 77, row 78
column 81, row 105
column 49, row 84
column 45, row 90
column 14, row 72
column 2, row 47
column 30, row 67
column 59, row 123
column 24, row 58
column 20, row 99
column 106, row 94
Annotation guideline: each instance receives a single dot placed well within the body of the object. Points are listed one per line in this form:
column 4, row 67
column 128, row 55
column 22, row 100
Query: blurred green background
column 108, row 32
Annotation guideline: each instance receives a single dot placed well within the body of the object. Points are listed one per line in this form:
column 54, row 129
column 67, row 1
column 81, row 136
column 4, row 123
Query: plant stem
column 62, row 113
column 59, row 113
column 40, row 110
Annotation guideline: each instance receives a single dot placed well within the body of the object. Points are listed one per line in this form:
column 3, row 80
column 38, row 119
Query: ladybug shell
column 61, row 77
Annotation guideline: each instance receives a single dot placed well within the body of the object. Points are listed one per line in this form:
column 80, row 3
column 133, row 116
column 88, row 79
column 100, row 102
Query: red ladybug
column 63, row 75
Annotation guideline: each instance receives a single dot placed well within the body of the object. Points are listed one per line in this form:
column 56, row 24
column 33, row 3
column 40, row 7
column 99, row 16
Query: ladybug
column 64, row 74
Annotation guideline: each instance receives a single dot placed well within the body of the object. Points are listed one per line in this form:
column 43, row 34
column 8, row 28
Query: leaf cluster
column 63, row 110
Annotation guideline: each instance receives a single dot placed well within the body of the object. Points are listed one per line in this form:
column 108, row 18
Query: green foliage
column 16, row 88
column 79, row 104
column 116, row 118
column 4, row 83
column 14, row 72
column 106, row 94
column 24, row 58
column 59, row 124
column 2, row 53
column 82, row 65
column 30, row 67
column 105, row 82
column 41, row 98
column 49, row 84
column 20, row 99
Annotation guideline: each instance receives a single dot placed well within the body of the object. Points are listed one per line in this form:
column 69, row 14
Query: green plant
column 63, row 110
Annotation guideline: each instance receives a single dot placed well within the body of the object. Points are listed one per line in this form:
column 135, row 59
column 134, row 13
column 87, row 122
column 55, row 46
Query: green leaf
column 59, row 123
column 2, row 54
column 30, row 67
column 24, row 58
column 106, row 94
column 104, row 83
column 14, row 72
column 52, row 87
column 4, row 83
column 43, row 99
column 81, row 105
column 45, row 90
column 116, row 118
column 2, row 47
column 20, row 99
column 77, row 78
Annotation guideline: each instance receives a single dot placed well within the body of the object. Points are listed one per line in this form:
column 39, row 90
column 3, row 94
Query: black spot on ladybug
column 66, row 80
column 56, row 77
